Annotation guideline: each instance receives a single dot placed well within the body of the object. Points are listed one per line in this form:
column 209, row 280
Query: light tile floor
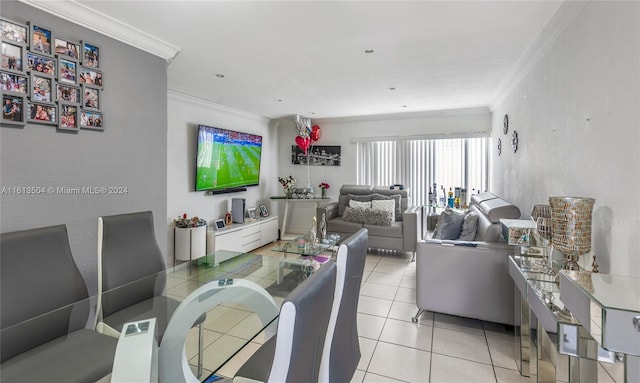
column 439, row 348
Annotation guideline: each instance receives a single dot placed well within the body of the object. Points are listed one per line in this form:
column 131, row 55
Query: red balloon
column 303, row 143
column 315, row 133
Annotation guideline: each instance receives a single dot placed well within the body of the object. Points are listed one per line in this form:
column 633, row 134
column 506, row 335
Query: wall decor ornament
column 317, row 155
column 505, row 124
column 571, row 227
column 514, row 141
column 499, row 146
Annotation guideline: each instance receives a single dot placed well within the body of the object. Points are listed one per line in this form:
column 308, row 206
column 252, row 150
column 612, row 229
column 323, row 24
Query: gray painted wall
column 131, row 152
column 578, row 121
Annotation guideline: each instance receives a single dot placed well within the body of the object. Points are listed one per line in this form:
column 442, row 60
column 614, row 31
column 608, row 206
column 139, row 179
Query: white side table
column 190, row 243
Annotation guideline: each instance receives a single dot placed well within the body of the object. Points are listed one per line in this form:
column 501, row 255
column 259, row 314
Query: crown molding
column 207, row 104
column 78, row 13
column 538, row 48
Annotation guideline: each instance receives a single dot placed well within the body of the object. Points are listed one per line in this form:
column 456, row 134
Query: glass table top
column 302, row 247
column 229, row 325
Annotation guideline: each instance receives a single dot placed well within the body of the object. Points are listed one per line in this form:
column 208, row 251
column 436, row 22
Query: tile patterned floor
column 439, row 348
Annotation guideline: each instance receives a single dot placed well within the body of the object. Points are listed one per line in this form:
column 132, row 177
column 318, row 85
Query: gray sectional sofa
column 401, row 235
column 469, row 278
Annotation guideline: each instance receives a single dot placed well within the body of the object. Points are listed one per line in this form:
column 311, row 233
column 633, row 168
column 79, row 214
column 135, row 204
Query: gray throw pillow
column 378, row 217
column 398, row 200
column 354, row 214
column 449, row 225
column 469, row 226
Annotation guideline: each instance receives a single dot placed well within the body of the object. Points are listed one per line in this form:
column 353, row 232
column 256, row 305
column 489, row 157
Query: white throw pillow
column 385, row 204
column 358, row 204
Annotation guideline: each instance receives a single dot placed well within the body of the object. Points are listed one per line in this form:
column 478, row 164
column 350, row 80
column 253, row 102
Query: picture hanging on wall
column 67, row 48
column 43, row 64
column 13, row 57
column 14, row 32
column 13, row 110
column 91, row 120
column 319, row 155
column 13, row 83
column 90, row 55
column 42, row 113
column 41, row 39
column 68, row 117
column 67, row 94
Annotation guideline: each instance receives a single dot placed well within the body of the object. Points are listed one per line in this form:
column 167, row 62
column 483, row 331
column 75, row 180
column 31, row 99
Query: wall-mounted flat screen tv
column 227, row 160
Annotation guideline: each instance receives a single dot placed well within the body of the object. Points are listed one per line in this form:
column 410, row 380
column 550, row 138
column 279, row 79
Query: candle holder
column 571, row 227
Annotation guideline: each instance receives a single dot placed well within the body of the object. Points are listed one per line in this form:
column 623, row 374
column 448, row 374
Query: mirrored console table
column 551, row 344
column 609, row 308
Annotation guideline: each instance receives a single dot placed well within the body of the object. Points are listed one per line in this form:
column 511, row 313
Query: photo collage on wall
column 51, row 80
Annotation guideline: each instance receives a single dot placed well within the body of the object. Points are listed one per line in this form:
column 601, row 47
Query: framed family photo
column 67, row 93
column 90, row 98
column 41, row 39
column 13, row 57
column 67, row 48
column 69, row 117
column 13, row 110
column 43, row 64
column 263, row 210
column 14, row 32
column 42, row 113
column 41, row 89
column 14, row 83
column 90, row 76
column 251, row 212
column 90, row 55
column 91, row 120
column 67, row 71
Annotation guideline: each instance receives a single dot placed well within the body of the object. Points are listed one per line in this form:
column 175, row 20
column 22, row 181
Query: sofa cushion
column 477, row 199
column 380, row 217
column 400, row 196
column 397, row 203
column 346, row 190
column 393, row 231
column 354, row 214
column 469, row 226
column 449, row 225
column 339, row 225
column 385, row 204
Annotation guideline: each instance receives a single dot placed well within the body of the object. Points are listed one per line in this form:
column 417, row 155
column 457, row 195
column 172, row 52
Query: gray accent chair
column 45, row 310
column 402, row 235
column 132, row 278
column 469, row 278
column 342, row 347
column 294, row 354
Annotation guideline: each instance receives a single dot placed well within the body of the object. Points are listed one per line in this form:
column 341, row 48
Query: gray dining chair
column 132, row 279
column 341, row 352
column 294, row 354
column 45, row 309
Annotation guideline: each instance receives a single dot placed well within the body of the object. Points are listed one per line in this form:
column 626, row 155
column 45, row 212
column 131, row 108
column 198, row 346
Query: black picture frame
column 40, row 39
column 320, row 155
column 90, row 55
column 14, row 32
column 69, row 117
column 42, row 89
column 263, row 211
column 13, row 110
column 67, row 71
column 41, row 113
column 91, row 120
column 14, row 83
column 13, row 57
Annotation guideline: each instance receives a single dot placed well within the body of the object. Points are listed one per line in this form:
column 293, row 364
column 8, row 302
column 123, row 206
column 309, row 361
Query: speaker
column 237, row 210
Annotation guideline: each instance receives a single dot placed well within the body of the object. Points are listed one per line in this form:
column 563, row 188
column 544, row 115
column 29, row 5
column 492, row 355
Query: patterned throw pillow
column 469, row 226
column 358, row 204
column 398, row 203
column 378, row 217
column 385, row 204
column 354, row 214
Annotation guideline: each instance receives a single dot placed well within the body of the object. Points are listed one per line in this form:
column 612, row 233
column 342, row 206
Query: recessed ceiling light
column 219, row 75
column 368, row 51
column 404, row 106
column 392, row 88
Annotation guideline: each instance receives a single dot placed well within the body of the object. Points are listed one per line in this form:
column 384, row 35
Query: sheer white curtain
column 449, row 162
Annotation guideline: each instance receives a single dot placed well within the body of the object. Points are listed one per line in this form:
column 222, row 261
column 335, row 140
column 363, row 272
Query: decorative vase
column 288, row 193
column 571, row 227
column 324, row 193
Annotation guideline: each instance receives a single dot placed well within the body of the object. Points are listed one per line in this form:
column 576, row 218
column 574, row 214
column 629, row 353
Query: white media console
column 242, row 237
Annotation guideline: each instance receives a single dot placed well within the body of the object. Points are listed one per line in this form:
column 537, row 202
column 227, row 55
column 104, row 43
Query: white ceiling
column 281, row 58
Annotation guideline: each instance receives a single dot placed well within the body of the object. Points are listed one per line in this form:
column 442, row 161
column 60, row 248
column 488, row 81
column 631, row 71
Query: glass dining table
column 241, row 300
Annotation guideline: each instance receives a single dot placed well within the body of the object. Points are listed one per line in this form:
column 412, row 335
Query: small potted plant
column 323, row 187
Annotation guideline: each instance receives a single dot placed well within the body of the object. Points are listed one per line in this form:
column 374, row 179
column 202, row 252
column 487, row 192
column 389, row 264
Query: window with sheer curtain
column 419, row 163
